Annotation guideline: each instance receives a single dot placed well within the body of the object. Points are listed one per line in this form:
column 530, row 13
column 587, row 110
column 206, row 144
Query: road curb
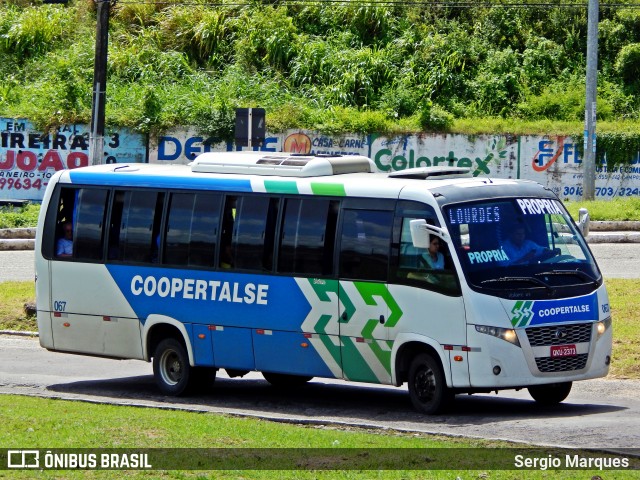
column 19, row 333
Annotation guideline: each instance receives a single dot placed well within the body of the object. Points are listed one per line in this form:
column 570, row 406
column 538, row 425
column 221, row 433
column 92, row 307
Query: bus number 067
column 59, row 306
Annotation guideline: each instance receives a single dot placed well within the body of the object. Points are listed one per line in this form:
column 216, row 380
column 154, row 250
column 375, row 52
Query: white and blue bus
column 317, row 266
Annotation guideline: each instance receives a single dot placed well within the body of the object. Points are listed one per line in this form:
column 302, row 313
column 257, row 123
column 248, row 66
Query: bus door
column 428, row 293
column 366, row 307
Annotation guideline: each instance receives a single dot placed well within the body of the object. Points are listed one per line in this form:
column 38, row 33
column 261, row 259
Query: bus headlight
column 603, row 326
column 507, row 334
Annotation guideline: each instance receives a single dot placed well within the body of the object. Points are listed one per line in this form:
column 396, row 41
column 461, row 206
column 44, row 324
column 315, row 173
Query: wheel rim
column 171, row 367
column 425, row 384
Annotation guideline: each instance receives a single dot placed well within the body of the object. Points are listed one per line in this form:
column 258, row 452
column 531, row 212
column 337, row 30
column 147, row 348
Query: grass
column 625, row 309
column 618, row 209
column 38, row 423
column 13, row 296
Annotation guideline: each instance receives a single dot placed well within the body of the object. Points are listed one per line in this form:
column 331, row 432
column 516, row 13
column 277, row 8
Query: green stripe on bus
column 281, row 186
column 353, row 365
column 335, row 189
column 383, row 356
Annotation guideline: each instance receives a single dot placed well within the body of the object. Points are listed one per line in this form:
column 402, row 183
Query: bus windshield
column 521, row 248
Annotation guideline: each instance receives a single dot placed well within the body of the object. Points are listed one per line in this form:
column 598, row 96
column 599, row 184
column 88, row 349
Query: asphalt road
column 616, row 260
column 602, row 414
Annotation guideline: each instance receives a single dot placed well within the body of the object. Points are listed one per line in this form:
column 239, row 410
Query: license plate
column 563, row 351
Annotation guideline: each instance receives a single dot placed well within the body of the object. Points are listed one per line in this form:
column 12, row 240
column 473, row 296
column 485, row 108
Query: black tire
column 550, row 394
column 285, row 380
column 171, row 368
column 427, row 386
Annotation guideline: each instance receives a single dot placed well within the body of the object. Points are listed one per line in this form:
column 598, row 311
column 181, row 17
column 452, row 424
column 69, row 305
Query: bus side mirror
column 421, row 232
column 583, row 221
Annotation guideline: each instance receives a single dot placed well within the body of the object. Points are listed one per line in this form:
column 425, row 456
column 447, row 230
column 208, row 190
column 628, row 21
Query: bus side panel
column 90, row 313
column 366, row 354
column 289, row 352
column 233, row 348
column 437, row 316
column 202, row 343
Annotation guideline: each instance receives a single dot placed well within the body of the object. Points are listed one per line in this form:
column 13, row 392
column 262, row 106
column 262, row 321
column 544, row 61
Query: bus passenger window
column 192, row 228
column 307, row 237
column 253, row 233
column 364, row 244
column 135, row 237
column 226, row 237
column 91, row 212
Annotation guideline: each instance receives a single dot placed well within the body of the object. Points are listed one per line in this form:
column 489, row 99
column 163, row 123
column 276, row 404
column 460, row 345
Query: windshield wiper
column 533, row 280
column 577, row 273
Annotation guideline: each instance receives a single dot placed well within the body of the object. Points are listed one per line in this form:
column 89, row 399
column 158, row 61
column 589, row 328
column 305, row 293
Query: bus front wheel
column 171, row 368
column 427, row 387
column 550, row 394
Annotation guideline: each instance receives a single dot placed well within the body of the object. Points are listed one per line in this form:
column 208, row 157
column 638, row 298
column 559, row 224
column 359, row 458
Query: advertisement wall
column 29, row 157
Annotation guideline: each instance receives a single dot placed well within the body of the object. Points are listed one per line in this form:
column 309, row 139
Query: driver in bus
column 518, row 248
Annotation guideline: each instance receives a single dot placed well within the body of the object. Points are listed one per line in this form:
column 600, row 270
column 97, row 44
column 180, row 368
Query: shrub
column 37, row 30
column 628, row 65
column 434, row 118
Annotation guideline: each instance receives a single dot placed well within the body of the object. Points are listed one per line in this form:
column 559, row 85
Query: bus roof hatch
column 282, row 164
column 432, row 173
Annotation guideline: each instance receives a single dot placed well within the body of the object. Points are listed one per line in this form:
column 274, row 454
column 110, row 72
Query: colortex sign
column 550, row 160
column 29, row 157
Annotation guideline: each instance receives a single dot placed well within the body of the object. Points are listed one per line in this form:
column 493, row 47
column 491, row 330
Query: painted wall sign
column 29, row 157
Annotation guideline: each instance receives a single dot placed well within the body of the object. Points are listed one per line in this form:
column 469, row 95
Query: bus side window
column 192, row 229
column 135, row 237
column 228, row 220
column 65, row 218
column 307, row 236
column 254, row 232
column 88, row 235
column 364, row 244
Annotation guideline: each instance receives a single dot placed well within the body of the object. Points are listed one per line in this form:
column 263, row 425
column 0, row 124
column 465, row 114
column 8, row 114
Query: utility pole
column 96, row 139
column 589, row 160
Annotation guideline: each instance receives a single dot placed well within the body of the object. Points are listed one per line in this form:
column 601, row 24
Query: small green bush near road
column 625, row 309
column 19, row 217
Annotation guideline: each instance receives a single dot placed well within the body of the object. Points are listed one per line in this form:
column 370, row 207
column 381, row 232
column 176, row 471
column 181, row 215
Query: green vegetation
column 21, row 217
column 336, row 67
column 13, row 297
column 618, row 209
column 51, row 424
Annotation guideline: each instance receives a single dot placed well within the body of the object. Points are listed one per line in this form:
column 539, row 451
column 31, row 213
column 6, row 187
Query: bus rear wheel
column 550, row 394
column 427, row 387
column 284, row 380
column 171, row 370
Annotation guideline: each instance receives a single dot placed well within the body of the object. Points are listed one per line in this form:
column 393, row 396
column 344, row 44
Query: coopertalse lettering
column 199, row 289
column 568, row 309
